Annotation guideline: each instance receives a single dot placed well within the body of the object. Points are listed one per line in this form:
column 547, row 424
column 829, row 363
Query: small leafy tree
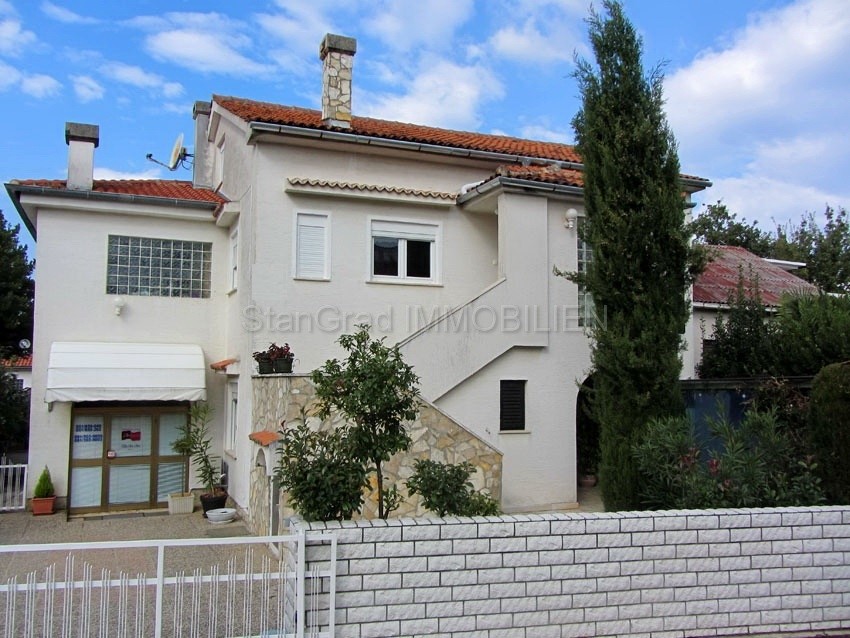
column 14, row 413
column 324, row 480
column 195, row 441
column 743, row 341
column 377, row 391
column 447, row 490
column 17, row 288
column 830, row 404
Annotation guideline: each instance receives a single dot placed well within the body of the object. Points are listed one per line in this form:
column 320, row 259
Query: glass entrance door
column 121, row 458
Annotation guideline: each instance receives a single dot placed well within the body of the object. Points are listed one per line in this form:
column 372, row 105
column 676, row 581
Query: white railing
column 13, row 486
column 262, row 591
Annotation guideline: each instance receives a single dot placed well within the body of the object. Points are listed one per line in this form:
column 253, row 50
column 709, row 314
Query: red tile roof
column 161, row 188
column 222, row 365
column 17, row 362
column 549, row 174
column 719, row 281
column 252, row 111
column 264, row 438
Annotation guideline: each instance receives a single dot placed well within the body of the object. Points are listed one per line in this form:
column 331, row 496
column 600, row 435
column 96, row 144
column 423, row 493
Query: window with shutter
column 311, row 246
column 512, row 405
column 404, row 251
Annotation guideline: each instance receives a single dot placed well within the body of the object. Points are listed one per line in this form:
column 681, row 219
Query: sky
column 757, row 91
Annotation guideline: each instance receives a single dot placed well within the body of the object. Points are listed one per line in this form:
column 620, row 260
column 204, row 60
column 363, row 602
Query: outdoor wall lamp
column 119, row 304
column 570, row 218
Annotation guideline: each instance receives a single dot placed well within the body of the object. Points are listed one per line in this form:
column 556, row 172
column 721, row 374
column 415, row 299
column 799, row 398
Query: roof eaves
column 258, row 128
column 127, row 198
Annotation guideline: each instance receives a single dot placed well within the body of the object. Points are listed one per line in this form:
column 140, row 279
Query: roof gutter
column 520, row 184
column 259, row 128
column 16, row 190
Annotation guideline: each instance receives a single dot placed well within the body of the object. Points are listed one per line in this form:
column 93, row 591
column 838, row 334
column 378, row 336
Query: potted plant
column 182, row 502
column 282, row 357
column 264, row 362
column 198, row 443
column 44, row 496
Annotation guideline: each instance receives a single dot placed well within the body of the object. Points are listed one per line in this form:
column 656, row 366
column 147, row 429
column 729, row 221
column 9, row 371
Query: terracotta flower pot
column 43, row 506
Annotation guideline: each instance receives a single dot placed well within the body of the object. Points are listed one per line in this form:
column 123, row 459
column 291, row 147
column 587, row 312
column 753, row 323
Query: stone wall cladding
column 291, row 398
column 662, row 574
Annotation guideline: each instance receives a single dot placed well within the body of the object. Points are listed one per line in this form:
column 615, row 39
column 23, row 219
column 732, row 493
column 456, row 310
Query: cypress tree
column 642, row 259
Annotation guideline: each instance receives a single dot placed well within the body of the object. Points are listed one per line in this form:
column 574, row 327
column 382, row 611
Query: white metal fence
column 13, row 486
column 254, row 586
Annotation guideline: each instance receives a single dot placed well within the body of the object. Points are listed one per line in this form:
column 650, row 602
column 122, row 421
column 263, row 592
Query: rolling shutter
column 311, row 246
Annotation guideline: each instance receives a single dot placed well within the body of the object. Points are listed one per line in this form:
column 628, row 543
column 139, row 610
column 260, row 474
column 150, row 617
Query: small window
column 404, row 251
column 218, row 178
column 586, row 308
column 232, row 420
column 19, row 383
column 311, row 246
column 234, row 258
column 512, row 405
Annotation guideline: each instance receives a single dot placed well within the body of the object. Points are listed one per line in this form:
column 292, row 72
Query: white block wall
column 660, row 574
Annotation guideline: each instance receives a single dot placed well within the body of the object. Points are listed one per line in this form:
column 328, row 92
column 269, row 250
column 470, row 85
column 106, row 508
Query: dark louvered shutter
column 512, row 405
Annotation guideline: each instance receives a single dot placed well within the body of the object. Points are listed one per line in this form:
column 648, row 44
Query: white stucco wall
column 71, row 305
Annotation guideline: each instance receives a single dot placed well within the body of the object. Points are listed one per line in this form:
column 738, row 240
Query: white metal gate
column 258, row 588
column 13, row 486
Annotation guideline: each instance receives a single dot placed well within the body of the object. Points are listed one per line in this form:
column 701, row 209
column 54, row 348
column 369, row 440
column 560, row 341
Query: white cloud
column 546, row 134
column 204, row 42
column 770, row 201
column 87, row 88
column 203, row 52
column 550, row 31
column 9, row 76
column 62, row 14
column 445, row 94
column 6, row 8
column 138, row 77
column 40, row 86
column 13, row 38
column 108, row 173
column 404, row 25
column 775, row 67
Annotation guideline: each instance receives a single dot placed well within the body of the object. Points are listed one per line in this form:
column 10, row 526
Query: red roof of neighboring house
column 162, row 188
column 252, row 111
column 17, row 362
column 718, row 283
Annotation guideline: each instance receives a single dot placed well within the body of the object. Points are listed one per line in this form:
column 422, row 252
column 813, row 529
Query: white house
column 297, row 226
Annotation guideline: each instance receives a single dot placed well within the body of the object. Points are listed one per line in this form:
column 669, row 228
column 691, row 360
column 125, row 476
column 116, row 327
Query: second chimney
column 337, row 55
column 81, row 139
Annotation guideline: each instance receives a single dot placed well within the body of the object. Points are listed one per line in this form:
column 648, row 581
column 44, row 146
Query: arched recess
column 587, row 433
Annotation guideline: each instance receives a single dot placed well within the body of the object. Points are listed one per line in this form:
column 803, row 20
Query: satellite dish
column 24, row 344
column 177, row 158
column 177, row 153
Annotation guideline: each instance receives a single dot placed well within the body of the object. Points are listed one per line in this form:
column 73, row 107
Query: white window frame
column 232, row 425
column 326, row 224
column 234, row 258
column 404, row 229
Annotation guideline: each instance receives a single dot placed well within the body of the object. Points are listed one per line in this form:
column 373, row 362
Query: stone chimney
column 202, row 162
column 337, row 55
column 81, row 139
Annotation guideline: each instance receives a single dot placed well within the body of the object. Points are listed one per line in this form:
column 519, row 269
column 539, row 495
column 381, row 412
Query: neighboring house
column 731, row 267
column 21, row 368
column 297, row 226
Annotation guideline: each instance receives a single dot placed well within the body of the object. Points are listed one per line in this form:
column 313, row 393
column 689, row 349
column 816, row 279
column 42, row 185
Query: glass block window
column 158, row 267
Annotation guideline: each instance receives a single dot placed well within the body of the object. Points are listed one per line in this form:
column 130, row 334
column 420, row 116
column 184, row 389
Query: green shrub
column 44, row 485
column 830, row 432
column 757, row 465
column 324, row 480
column 447, row 491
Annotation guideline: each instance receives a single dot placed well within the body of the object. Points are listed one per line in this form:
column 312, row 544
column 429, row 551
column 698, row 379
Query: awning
column 81, row 371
